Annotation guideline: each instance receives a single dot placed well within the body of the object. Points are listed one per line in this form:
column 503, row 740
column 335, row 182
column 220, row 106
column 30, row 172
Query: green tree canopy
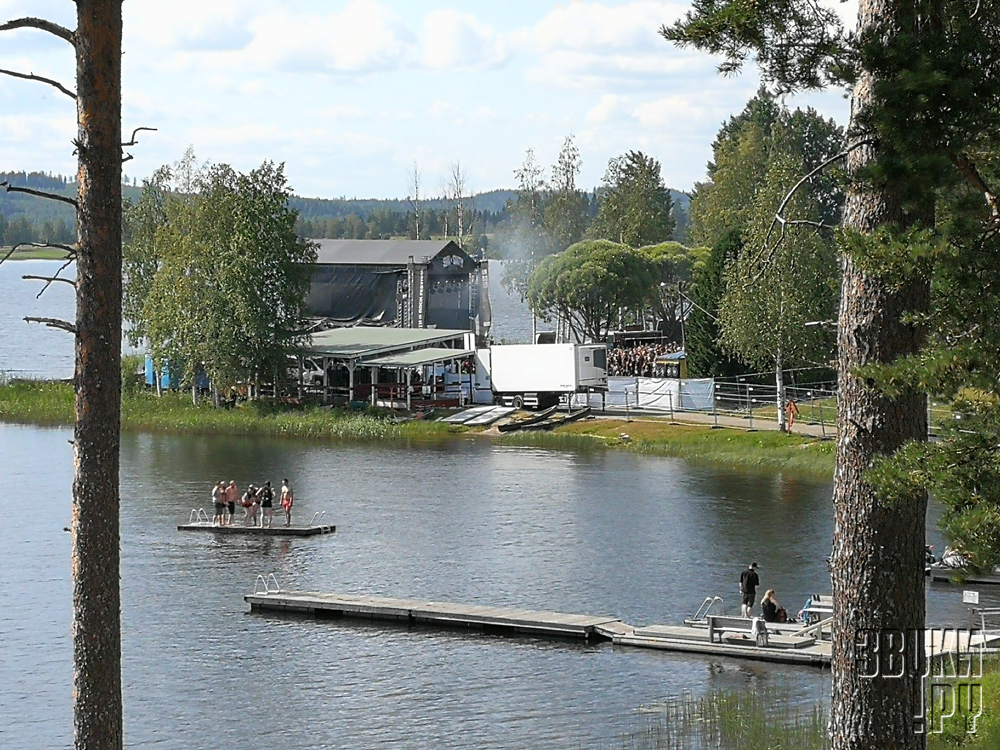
column 217, row 278
column 742, row 152
column 635, row 209
column 675, row 267
column 778, row 285
column 589, row 284
column 705, row 358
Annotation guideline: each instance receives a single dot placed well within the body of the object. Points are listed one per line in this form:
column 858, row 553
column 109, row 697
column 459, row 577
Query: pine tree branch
column 42, row 25
column 779, row 216
column 977, row 181
column 48, row 281
column 71, row 251
column 132, row 141
column 62, row 325
column 40, row 194
column 42, row 79
column 55, row 277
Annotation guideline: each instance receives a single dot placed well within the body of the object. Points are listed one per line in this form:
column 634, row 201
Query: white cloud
column 594, row 27
column 610, row 107
column 190, row 25
column 583, row 45
column 671, row 110
column 459, row 41
column 365, row 36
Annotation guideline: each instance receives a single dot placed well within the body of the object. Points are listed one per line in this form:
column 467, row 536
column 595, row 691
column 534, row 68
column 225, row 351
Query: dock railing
column 815, row 629
column 263, row 585
column 989, row 619
column 706, row 607
column 198, row 515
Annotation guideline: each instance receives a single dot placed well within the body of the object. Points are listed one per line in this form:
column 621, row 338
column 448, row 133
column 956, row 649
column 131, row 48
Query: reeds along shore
column 51, row 403
column 776, row 719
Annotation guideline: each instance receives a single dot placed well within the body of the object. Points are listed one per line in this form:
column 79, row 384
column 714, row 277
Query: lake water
column 30, row 350
column 641, row 538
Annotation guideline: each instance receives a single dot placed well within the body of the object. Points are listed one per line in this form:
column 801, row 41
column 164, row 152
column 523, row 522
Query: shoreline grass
column 35, row 253
column 756, row 451
column 51, row 403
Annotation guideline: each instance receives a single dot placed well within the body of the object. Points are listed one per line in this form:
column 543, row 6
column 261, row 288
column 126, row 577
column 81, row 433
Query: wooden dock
column 957, row 575
column 502, row 620
column 258, row 530
column 410, row 611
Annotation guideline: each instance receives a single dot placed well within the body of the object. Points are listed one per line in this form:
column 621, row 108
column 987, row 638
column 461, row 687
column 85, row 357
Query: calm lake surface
column 644, row 539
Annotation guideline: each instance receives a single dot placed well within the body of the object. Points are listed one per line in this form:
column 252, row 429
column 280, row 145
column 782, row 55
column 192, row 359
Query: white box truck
column 536, row 375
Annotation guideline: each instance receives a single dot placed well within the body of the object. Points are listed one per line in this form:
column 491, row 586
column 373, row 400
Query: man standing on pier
column 749, row 581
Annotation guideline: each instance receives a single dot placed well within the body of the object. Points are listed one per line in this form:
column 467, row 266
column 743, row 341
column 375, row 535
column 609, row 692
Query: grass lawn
column 765, row 450
column 52, row 403
column 34, row 253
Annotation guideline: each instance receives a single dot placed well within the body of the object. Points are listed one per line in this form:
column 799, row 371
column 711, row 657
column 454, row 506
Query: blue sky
column 348, row 93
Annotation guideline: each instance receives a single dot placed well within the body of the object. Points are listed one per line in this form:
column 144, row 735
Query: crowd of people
column 257, row 503
column 637, row 361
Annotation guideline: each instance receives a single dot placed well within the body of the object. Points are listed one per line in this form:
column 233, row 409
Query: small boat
column 518, row 424
column 557, row 421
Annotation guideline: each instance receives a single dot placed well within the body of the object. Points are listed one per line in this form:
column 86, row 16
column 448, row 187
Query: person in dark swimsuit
column 266, row 504
column 769, row 607
column 749, row 581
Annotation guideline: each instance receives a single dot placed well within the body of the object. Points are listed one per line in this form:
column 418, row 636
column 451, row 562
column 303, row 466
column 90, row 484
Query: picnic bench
column 739, row 630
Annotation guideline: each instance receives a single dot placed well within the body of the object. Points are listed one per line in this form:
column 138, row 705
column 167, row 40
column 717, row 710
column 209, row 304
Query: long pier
column 784, row 648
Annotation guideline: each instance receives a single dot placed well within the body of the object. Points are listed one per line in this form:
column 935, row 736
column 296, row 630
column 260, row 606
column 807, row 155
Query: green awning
column 365, row 343
column 419, row 358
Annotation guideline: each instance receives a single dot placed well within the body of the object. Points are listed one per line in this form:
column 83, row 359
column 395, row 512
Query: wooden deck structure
column 259, row 530
column 957, row 575
column 502, row 620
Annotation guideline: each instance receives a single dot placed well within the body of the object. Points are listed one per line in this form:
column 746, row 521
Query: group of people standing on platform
column 256, row 500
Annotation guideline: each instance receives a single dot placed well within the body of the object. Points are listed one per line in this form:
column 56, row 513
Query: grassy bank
column 765, row 450
column 34, row 253
column 986, row 724
column 52, row 404
column 767, row 719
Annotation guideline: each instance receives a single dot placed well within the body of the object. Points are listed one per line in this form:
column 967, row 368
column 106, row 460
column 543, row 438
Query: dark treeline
column 385, row 223
column 24, row 218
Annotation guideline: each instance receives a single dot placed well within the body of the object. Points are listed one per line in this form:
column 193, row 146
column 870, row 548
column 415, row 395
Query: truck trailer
column 536, row 375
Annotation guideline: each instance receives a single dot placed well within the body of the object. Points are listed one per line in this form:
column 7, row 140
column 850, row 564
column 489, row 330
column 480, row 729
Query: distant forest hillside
column 25, row 218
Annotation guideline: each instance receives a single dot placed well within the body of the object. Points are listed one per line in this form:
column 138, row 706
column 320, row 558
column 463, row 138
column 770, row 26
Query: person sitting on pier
column 771, row 609
column 266, row 495
column 287, row 500
column 219, row 501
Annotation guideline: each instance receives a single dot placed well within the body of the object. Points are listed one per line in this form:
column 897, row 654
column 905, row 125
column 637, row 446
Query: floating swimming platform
column 199, row 521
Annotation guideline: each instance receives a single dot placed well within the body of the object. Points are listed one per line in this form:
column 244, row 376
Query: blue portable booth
column 169, row 381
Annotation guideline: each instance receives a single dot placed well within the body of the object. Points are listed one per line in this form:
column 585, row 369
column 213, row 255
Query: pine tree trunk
column 96, row 594
column 878, row 546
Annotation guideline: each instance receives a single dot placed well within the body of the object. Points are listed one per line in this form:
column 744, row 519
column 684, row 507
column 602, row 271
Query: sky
column 350, row 93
